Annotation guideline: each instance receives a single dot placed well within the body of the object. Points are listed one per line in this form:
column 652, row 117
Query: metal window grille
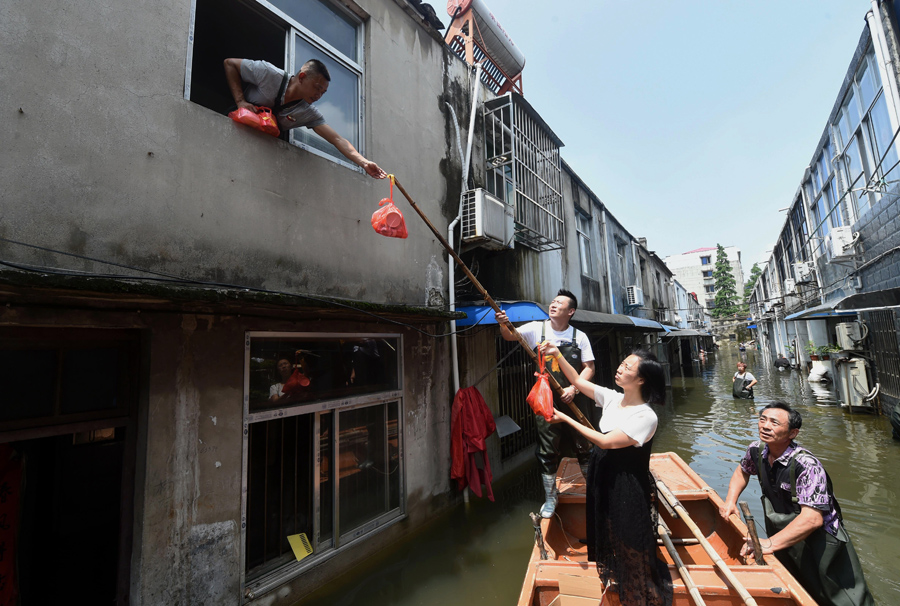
column 524, row 170
column 515, row 377
column 882, row 325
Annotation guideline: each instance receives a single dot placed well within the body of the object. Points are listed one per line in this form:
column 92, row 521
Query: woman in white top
column 621, row 515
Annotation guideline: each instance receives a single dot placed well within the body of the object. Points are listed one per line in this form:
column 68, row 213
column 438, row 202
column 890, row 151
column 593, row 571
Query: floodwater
column 477, row 554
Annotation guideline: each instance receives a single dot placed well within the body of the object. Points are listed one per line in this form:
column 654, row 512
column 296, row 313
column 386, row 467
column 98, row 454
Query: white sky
column 692, row 121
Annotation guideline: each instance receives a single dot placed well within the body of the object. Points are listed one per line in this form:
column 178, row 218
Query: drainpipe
column 885, row 63
column 612, row 301
column 451, row 263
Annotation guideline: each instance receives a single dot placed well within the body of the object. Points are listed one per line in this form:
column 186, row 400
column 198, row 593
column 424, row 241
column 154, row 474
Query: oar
column 689, row 584
column 710, row 551
column 534, row 357
column 751, row 526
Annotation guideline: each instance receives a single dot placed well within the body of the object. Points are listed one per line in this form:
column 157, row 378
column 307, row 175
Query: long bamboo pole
column 679, row 565
column 554, row 384
column 710, row 551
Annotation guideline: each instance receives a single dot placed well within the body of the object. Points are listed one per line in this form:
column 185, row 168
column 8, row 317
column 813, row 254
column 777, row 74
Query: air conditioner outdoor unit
column 790, row 286
column 635, row 295
column 837, row 240
column 803, row 271
column 850, row 335
column 855, row 384
column 487, row 221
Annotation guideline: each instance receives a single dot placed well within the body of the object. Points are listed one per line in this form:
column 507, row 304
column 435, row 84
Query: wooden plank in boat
column 579, row 590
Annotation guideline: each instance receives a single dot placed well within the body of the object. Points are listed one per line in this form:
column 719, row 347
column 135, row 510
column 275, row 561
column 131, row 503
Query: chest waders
column 739, row 388
column 558, row 439
column 826, row 565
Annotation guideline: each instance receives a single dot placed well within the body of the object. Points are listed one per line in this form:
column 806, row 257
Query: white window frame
column 584, row 243
column 269, row 580
column 295, row 28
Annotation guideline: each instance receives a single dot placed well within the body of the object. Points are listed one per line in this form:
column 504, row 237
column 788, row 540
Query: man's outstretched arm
column 236, row 84
column 739, row 481
column 346, row 148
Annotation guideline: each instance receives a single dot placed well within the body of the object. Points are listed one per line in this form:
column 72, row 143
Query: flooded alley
column 478, row 553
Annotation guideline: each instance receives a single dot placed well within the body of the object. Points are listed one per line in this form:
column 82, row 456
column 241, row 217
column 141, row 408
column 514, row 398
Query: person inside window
column 259, row 83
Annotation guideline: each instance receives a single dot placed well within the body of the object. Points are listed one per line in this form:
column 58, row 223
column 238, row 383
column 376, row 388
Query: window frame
column 294, row 28
column 340, row 540
column 585, row 251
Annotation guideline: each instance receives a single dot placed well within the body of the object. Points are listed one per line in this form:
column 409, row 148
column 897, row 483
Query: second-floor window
column 583, row 227
column 286, row 33
column 707, row 273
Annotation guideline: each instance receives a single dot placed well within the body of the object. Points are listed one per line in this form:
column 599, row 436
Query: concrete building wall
column 131, row 172
column 105, row 159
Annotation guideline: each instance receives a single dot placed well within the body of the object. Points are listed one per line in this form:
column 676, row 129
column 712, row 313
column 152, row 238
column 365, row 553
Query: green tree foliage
column 755, row 271
column 726, row 293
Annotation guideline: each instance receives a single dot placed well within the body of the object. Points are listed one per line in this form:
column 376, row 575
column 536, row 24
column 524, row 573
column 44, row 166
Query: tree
column 726, row 294
column 755, row 271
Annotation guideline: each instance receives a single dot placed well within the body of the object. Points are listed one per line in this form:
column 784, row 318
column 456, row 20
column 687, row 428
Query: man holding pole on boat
column 803, row 518
column 575, row 346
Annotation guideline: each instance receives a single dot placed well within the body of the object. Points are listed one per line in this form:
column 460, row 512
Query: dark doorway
column 69, row 532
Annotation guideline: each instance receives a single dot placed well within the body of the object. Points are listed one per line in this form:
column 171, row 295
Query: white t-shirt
column 532, row 334
column 637, row 422
column 744, row 377
column 275, row 390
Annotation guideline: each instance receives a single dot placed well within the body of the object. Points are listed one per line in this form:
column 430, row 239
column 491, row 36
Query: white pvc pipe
column 612, row 301
column 885, row 64
column 451, row 263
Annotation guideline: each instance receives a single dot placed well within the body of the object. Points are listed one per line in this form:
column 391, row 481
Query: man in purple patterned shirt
column 803, row 519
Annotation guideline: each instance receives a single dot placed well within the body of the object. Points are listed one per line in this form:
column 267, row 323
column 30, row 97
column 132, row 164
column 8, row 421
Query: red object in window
column 388, row 220
column 263, row 121
column 297, row 381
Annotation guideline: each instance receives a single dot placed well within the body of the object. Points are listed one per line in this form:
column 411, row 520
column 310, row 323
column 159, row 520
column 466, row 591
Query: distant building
column 694, row 270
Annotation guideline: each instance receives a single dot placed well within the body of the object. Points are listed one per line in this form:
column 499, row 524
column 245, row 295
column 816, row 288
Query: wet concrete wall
column 105, row 158
column 187, row 488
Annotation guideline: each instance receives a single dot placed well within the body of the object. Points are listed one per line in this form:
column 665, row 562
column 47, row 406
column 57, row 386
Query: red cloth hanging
column 471, row 422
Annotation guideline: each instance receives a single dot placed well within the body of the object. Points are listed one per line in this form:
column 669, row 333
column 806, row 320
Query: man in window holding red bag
column 554, row 439
column 255, row 84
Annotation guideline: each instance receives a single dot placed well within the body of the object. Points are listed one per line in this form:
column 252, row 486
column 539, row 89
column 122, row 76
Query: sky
column 691, row 121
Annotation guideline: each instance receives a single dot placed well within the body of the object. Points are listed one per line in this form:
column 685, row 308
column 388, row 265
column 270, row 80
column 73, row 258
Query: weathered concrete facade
column 834, row 266
column 166, row 222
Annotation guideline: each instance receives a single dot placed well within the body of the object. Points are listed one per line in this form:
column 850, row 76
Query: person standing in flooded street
column 803, row 518
column 743, row 382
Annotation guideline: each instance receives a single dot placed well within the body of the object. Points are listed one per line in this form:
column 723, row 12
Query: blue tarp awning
column 645, row 323
column 821, row 312
column 517, row 311
column 668, row 328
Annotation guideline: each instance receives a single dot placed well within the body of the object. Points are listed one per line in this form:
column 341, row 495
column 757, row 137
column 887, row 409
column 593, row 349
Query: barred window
column 324, row 452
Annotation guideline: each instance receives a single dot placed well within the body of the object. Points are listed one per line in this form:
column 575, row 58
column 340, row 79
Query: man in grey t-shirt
column 258, row 83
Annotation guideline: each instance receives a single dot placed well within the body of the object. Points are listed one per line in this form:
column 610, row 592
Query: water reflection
column 711, row 429
column 477, row 555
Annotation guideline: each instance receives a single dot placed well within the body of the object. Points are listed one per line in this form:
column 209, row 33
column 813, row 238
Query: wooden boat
column 566, row 578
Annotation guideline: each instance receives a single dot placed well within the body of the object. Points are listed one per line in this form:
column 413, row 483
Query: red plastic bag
column 263, row 121
column 541, row 396
column 293, row 387
column 388, row 220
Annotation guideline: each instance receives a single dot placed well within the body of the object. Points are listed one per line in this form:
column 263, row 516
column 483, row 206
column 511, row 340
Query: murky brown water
column 477, row 554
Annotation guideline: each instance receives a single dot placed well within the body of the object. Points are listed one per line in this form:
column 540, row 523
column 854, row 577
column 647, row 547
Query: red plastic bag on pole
column 263, row 121
column 388, row 220
column 541, row 396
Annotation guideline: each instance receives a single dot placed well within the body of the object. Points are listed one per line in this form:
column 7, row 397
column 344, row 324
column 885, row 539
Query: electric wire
column 167, row 278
